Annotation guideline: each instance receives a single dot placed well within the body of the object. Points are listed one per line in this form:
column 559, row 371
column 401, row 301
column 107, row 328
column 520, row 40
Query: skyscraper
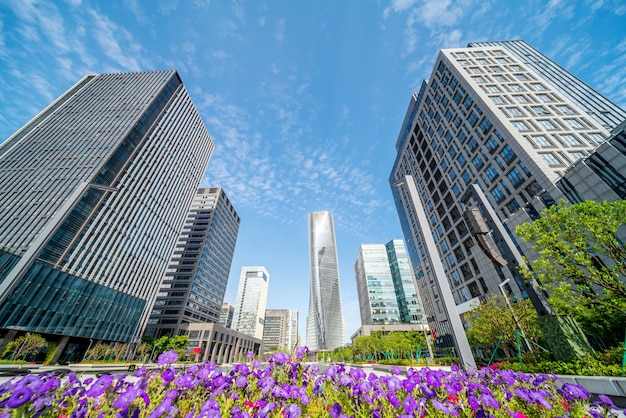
column 281, row 329
column 251, row 301
column 227, row 315
column 484, row 139
column 193, row 287
column 94, row 192
column 385, row 285
column 324, row 329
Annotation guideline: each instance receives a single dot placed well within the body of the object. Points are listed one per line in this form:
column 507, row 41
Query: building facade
column 280, row 330
column 213, row 342
column 385, row 285
column 194, row 285
column 227, row 315
column 251, row 301
column 325, row 328
column 94, row 192
column 487, row 132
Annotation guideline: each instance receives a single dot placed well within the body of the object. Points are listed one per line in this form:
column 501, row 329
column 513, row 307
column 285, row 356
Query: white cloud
column 116, row 43
column 279, row 31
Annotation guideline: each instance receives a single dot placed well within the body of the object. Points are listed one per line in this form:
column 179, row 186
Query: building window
column 515, row 112
column 566, row 110
column 575, row 156
column 540, row 110
column 497, row 100
column 597, row 137
column 520, row 99
column 493, row 89
column 570, row 139
column 515, row 177
column 491, row 144
column 574, row 124
column 520, row 77
column 551, row 159
column 508, row 154
column 473, row 118
column 498, row 194
column 608, row 173
column 541, row 141
column 466, row 178
column 544, row 98
column 516, row 87
column 512, row 206
column 485, row 125
column 520, row 126
column 491, row 172
column 546, row 124
column 478, row 162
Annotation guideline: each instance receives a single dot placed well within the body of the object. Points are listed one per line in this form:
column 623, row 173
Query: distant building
column 251, row 301
column 385, row 284
column 213, row 342
column 227, row 315
column 94, row 191
column 280, row 330
column 325, row 329
column 195, row 283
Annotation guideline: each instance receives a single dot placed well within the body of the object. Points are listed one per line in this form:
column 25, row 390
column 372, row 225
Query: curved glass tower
column 324, row 325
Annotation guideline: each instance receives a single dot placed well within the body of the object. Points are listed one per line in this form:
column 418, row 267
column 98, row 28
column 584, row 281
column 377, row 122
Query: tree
column 98, row 351
column 26, row 344
column 493, row 320
column 581, row 261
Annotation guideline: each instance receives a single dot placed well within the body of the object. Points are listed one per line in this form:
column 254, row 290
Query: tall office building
column 385, row 285
column 227, row 315
column 251, row 301
column 486, row 137
column 280, row 330
column 324, row 330
column 195, row 282
column 94, row 191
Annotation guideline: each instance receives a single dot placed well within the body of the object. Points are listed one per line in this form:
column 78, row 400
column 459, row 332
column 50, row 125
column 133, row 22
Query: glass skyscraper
column 325, row 330
column 385, row 285
column 94, row 192
column 494, row 128
column 251, row 301
column 280, row 330
column 195, row 282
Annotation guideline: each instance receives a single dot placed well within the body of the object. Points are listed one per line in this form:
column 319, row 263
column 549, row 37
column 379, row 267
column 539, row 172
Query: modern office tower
column 251, row 301
column 324, row 329
column 227, row 315
column 409, row 304
column 600, row 108
column 280, row 330
column 195, row 282
column 94, row 191
column 484, row 139
column 385, row 285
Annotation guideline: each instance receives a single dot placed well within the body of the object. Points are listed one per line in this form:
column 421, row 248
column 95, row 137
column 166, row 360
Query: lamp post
column 517, row 323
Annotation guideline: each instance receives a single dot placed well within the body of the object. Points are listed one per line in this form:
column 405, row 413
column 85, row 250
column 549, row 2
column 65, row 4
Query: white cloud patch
column 279, row 30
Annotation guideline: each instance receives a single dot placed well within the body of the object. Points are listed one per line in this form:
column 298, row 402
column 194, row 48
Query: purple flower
column 281, row 358
column 409, row 404
column 523, row 393
column 163, row 408
column 453, row 385
column 393, row 400
column 168, row 375
column 304, row 399
column 20, row 396
column 488, row 400
column 508, row 377
column 393, row 384
column 445, row 408
column 301, row 352
column 100, row 386
column 345, row 380
column 473, row 402
column 608, row 402
column 433, row 378
column 140, row 371
column 241, row 381
column 293, row 411
column 395, row 370
column 335, row 410
column 575, row 391
column 126, row 398
column 250, row 355
column 428, row 392
column 168, row 357
column 540, row 399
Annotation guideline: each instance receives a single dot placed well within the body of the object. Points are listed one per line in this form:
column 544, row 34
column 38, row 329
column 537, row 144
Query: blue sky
column 304, row 99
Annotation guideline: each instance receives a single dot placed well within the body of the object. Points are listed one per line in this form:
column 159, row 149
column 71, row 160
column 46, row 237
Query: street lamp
column 517, row 323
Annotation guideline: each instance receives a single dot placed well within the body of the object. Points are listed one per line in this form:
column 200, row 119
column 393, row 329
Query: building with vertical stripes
column 324, row 324
column 280, row 331
column 385, row 285
column 195, row 282
column 94, row 191
column 481, row 147
column 251, row 301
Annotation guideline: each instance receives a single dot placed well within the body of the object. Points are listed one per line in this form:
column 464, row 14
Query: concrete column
column 8, row 337
column 60, row 348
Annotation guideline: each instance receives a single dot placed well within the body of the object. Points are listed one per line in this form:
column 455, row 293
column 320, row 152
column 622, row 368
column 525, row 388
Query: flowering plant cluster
column 286, row 387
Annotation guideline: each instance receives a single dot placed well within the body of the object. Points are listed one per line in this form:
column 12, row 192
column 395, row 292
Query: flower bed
column 289, row 388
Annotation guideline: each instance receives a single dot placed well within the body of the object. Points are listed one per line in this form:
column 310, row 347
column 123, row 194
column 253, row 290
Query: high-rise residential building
column 194, row 285
column 325, row 329
column 251, row 301
column 385, row 285
column 280, row 330
column 227, row 315
column 485, row 139
column 94, row 191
